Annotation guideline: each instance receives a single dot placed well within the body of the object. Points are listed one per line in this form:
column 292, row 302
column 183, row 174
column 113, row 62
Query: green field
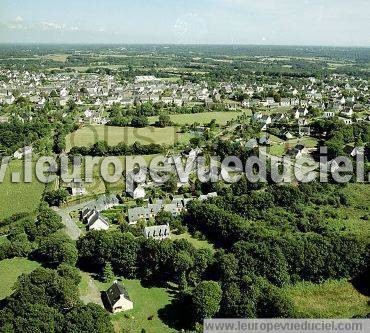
column 198, row 244
column 279, row 147
column 147, row 303
column 18, row 197
column 89, row 135
column 351, row 218
column 10, row 270
column 203, row 118
column 332, row 299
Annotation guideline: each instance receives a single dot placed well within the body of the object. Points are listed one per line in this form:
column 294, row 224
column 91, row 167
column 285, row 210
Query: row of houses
column 177, row 205
column 91, row 213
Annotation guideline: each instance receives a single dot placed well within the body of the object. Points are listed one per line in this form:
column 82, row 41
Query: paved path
column 71, row 228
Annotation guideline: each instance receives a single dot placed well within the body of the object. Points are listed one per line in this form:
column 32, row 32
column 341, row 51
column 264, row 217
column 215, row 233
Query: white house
column 346, row 120
column 25, row 151
column 157, row 232
column 329, row 114
column 77, row 187
column 118, row 299
column 95, row 221
column 138, row 193
column 99, row 223
column 288, row 135
column 9, row 99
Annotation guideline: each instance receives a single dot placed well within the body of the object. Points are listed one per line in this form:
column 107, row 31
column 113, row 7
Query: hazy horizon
column 332, row 23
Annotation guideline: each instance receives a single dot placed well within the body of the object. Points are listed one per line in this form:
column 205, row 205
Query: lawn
column 198, row 244
column 203, row 118
column 18, row 197
column 331, row 299
column 147, row 303
column 10, row 270
column 279, row 147
column 89, row 135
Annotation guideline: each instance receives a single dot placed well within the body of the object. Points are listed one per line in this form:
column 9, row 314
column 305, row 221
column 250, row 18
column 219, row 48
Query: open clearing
column 203, row 118
column 18, row 197
column 113, row 135
column 351, row 219
column 147, row 303
column 197, row 243
column 10, row 270
column 332, row 299
column 62, row 57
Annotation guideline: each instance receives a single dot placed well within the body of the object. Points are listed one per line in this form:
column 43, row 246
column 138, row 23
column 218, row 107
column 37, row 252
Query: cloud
column 18, row 19
column 20, row 24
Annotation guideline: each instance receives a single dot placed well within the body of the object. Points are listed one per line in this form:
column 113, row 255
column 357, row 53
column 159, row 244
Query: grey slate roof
column 114, row 293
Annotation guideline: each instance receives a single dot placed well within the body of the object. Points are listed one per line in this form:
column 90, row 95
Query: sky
column 271, row 22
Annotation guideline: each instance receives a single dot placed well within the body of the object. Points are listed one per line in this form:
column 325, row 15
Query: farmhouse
column 118, row 299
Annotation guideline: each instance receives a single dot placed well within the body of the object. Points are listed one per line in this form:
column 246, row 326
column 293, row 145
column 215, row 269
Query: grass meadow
column 113, row 135
column 18, row 197
column 331, row 299
column 203, row 118
column 148, row 301
column 10, row 270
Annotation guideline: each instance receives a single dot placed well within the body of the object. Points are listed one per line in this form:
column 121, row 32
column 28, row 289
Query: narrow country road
column 71, row 228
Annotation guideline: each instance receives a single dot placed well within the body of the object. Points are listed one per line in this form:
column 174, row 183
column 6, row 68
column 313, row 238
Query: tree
column 45, row 287
column 56, row 197
column 47, row 223
column 108, row 274
column 163, row 121
column 206, row 300
column 139, row 121
column 170, row 185
column 271, row 302
column 182, row 263
column 57, row 249
column 69, row 272
column 90, row 318
column 100, row 148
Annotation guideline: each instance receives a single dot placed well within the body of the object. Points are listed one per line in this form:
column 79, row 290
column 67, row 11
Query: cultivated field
column 10, row 270
column 332, row 299
column 89, row 135
column 18, row 197
column 203, row 118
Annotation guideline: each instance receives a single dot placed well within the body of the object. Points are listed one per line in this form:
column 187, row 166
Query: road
column 71, row 228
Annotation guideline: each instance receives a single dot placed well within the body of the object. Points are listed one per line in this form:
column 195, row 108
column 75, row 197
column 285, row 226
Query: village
column 168, row 244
